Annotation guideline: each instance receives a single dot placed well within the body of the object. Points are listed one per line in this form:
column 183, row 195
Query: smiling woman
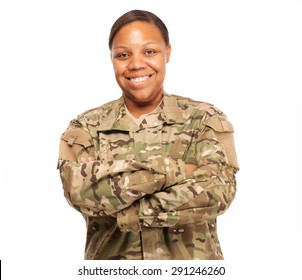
column 150, row 172
column 139, row 56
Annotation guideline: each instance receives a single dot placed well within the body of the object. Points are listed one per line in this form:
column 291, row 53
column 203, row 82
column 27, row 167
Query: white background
column 243, row 56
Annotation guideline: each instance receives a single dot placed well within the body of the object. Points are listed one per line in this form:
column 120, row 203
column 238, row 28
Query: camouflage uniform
column 134, row 194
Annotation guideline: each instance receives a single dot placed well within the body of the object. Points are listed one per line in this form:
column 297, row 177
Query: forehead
column 137, row 31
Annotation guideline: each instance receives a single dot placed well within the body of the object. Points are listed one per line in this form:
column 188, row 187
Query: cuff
column 127, row 219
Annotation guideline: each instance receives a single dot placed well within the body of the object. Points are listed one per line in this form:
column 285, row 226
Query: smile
column 139, row 79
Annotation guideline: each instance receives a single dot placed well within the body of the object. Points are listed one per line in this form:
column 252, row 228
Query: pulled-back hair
column 139, row 15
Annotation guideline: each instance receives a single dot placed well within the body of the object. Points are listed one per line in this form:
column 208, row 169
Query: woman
column 150, row 172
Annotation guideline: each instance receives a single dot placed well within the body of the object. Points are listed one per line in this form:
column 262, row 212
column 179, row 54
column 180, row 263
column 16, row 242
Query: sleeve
column 203, row 196
column 104, row 186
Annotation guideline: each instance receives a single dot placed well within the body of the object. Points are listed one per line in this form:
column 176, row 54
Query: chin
column 139, row 95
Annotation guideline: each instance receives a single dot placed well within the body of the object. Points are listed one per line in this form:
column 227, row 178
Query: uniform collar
column 117, row 118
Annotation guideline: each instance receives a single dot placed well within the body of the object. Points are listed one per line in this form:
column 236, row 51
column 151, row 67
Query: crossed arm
column 155, row 193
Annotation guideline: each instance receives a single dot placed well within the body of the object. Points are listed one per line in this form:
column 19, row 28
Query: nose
column 136, row 62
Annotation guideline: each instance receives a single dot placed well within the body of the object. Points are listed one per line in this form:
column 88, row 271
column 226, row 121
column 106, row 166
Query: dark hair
column 138, row 15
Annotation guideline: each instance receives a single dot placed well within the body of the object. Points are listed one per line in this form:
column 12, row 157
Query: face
column 139, row 56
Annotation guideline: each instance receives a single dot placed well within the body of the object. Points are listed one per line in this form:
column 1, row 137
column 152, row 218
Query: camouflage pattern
column 132, row 188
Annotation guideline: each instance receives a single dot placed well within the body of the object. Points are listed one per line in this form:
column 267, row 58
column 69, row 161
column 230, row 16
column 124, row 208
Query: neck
column 138, row 109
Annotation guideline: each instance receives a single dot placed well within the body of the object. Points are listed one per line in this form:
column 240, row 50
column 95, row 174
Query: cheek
column 159, row 65
column 118, row 68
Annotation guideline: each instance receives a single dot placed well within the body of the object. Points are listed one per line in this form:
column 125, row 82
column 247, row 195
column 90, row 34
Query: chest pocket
column 116, row 144
column 179, row 142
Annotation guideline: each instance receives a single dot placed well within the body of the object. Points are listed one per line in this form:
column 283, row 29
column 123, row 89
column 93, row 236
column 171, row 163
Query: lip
column 139, row 79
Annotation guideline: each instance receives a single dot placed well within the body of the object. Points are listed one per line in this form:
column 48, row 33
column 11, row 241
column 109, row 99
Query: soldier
column 150, row 172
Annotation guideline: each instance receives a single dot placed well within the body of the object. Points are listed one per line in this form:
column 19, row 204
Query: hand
column 190, row 168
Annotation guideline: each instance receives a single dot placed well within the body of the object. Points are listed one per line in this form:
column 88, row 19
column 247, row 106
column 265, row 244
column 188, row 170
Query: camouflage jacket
column 133, row 191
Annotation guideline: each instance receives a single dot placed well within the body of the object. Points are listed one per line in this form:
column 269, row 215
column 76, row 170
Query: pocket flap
column 77, row 136
column 219, row 124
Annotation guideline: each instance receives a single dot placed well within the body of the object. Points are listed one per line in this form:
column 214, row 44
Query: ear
column 168, row 52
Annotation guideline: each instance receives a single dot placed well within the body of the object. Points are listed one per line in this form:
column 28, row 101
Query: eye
column 122, row 56
column 150, row 52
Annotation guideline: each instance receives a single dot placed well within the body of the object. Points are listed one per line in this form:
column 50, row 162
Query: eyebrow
column 125, row 47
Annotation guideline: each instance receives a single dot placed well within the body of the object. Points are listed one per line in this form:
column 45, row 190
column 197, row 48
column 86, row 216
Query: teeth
column 139, row 79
